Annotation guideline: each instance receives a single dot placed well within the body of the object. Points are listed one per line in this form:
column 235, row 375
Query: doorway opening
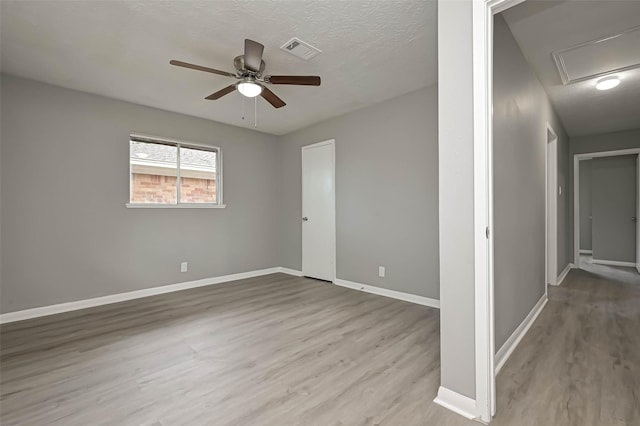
column 525, row 26
column 606, row 209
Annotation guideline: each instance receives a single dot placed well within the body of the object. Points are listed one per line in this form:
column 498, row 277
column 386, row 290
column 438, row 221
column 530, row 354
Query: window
column 166, row 173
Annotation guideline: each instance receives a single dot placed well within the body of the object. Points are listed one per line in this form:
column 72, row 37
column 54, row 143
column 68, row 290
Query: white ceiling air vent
column 299, row 48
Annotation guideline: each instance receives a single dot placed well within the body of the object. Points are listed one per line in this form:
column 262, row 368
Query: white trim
column 551, row 220
column 175, row 206
column 482, row 22
column 498, row 6
column 178, row 144
column 563, row 274
column 131, row 295
column 333, row 234
column 576, row 191
column 638, row 213
column 576, row 210
column 591, row 155
column 419, row 300
column 456, row 402
column 482, row 18
column 586, row 251
column 151, row 138
column 156, row 165
column 613, row 263
column 220, row 178
column 288, row 271
column 178, row 176
column 482, row 198
column 514, row 340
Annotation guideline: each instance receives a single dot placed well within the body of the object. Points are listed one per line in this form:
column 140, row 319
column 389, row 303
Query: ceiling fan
column 249, row 71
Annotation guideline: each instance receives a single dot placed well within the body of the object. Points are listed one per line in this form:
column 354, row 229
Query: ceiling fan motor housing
column 238, row 63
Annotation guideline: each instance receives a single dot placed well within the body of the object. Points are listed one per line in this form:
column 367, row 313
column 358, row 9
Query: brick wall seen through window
column 154, row 174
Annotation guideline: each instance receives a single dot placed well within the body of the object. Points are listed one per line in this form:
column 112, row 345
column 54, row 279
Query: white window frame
column 178, row 144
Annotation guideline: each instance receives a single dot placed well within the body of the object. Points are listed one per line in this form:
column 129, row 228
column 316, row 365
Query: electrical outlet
column 184, row 266
column 381, row 271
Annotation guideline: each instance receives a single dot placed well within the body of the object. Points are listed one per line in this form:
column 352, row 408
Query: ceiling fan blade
column 300, row 80
column 200, row 68
column 252, row 55
column 272, row 98
column 221, row 93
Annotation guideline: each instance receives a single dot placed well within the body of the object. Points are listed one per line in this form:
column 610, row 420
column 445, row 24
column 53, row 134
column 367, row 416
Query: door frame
column 482, row 46
column 332, row 234
column 551, row 246
column 638, row 213
column 576, row 192
column 482, row 39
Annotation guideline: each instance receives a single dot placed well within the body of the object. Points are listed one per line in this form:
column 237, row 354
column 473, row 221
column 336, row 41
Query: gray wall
column 605, row 142
column 614, row 204
column 386, row 193
column 521, row 110
column 65, row 182
column 597, row 143
column 455, row 154
column 585, row 205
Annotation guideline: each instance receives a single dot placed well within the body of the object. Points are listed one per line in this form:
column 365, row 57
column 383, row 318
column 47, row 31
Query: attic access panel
column 607, row 55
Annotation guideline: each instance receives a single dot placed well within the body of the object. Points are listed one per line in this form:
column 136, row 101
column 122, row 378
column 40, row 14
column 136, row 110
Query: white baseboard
column 456, row 402
column 586, row 251
column 290, row 271
column 514, row 340
column 563, row 274
column 420, row 300
column 153, row 291
column 613, row 263
column 121, row 297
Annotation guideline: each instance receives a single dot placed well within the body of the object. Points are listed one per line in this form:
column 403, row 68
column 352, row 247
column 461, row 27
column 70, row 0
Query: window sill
column 174, row 206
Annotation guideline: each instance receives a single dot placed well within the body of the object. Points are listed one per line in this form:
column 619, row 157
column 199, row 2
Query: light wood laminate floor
column 281, row 350
column 272, row 350
column 579, row 364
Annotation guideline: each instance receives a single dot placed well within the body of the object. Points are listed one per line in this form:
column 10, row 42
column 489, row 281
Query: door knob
column 634, row 219
column 304, row 219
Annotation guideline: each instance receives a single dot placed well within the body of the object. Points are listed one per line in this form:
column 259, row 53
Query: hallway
column 578, row 365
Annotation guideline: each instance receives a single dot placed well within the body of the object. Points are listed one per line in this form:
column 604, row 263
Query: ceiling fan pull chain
column 255, row 112
column 242, row 105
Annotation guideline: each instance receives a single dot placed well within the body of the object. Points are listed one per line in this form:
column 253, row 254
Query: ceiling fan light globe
column 250, row 90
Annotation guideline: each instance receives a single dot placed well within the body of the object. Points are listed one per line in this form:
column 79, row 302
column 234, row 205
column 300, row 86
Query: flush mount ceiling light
column 607, row 83
column 249, row 89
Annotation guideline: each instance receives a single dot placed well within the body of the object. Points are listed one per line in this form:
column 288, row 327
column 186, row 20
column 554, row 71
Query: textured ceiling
column 542, row 27
column 372, row 51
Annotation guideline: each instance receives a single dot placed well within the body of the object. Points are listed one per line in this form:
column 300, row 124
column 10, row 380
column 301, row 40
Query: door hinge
column 487, row 232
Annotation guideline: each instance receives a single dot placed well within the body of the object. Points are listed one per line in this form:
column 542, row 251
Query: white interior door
column 318, row 211
column 552, row 215
column 638, row 212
